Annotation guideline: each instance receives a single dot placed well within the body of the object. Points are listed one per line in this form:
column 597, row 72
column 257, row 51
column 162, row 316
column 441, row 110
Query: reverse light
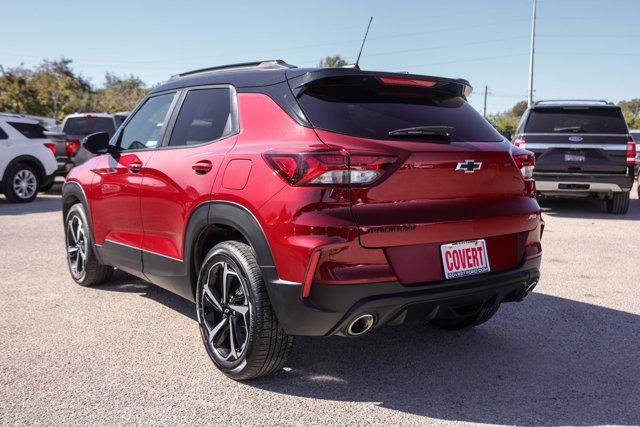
column 631, row 152
column 520, row 143
column 526, row 162
column 51, row 146
column 329, row 168
column 71, row 147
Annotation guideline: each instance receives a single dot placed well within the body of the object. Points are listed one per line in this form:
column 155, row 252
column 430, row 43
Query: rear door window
column 29, row 130
column 88, row 125
column 602, row 120
column 206, row 115
column 364, row 107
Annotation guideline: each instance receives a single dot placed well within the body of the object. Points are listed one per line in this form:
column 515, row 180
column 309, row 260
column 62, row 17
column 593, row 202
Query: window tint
column 366, row 108
column 143, row 130
column 3, row 134
column 29, row 130
column 205, row 115
column 88, row 125
column 576, row 120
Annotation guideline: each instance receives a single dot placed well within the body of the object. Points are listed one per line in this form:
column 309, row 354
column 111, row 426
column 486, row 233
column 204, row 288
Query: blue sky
column 586, row 48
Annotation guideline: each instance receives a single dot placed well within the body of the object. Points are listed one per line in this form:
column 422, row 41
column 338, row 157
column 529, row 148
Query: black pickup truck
column 582, row 148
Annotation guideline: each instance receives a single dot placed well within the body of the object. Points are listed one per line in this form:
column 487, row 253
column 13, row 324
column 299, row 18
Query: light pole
column 532, row 53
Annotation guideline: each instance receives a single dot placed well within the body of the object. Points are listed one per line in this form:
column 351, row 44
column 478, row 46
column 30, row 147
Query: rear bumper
column 65, row 164
column 576, row 183
column 330, row 308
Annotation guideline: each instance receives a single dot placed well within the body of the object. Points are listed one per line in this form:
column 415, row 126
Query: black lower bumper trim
column 331, row 308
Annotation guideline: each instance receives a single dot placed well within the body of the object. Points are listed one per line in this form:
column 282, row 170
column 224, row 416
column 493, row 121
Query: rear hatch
column 590, row 139
column 426, row 198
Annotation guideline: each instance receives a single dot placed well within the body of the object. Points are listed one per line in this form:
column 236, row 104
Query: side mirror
column 97, row 143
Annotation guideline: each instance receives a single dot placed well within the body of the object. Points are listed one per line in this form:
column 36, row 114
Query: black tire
column 265, row 345
column 458, row 324
column 618, row 204
column 21, row 173
column 47, row 187
column 85, row 271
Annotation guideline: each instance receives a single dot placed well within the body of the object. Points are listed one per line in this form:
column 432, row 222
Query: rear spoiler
column 301, row 78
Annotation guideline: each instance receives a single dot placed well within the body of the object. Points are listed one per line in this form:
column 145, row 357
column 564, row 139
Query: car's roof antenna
column 362, row 46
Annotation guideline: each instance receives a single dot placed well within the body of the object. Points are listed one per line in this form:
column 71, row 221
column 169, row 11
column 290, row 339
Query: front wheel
column 238, row 326
column 84, row 267
column 619, row 203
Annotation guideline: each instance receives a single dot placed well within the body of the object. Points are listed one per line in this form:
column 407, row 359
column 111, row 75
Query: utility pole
column 532, row 53
column 484, row 109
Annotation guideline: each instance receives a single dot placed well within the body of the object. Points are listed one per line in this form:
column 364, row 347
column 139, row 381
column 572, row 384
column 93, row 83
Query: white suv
column 27, row 163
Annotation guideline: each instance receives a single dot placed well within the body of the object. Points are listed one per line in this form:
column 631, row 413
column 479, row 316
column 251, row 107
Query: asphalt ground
column 130, row 352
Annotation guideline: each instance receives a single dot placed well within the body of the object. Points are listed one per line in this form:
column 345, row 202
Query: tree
column 335, row 61
column 631, row 111
column 119, row 93
column 507, row 121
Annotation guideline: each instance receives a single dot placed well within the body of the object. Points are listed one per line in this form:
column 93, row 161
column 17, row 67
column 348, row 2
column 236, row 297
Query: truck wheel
column 458, row 324
column 618, row 204
column 21, row 184
column 238, row 326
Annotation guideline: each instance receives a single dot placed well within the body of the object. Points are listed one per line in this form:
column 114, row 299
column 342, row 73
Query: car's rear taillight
column 526, row 162
column 330, row 168
column 71, row 147
column 520, row 143
column 631, row 152
column 51, row 146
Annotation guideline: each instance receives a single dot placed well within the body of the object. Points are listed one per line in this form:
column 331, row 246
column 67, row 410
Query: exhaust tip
column 360, row 325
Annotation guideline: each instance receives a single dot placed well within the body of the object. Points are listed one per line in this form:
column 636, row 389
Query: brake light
column 631, row 152
column 403, row 81
column 71, row 147
column 51, row 146
column 520, row 143
column 329, row 168
column 526, row 162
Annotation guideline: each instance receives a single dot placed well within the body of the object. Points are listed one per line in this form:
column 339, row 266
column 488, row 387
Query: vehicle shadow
column 45, row 202
column 586, row 209
column 547, row 360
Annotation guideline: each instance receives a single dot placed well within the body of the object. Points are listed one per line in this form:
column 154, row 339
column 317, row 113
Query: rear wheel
column 618, row 204
column 84, row 267
column 485, row 313
column 238, row 326
column 21, row 184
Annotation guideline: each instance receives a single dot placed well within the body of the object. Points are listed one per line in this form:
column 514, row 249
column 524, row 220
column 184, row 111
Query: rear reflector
column 631, row 152
column 401, row 81
column 51, row 146
column 311, row 273
column 329, row 168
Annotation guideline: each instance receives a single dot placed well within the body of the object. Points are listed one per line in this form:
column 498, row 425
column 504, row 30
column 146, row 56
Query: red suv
column 288, row 201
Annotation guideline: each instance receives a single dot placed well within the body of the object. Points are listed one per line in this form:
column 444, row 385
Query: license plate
column 568, row 157
column 464, row 259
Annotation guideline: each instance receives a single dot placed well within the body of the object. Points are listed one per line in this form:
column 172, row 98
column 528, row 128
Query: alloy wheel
column 77, row 246
column 225, row 312
column 25, row 184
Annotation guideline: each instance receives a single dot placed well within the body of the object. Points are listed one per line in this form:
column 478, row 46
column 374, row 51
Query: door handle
column 135, row 167
column 202, row 167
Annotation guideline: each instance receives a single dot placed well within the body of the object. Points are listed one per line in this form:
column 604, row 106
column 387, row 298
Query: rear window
column 88, row 125
column 364, row 107
column 576, row 120
column 29, row 130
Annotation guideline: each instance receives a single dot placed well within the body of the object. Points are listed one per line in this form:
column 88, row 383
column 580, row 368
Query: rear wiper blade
column 568, row 128
column 442, row 132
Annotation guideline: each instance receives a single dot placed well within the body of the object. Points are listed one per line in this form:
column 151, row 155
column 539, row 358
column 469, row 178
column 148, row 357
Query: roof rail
column 577, row 101
column 266, row 65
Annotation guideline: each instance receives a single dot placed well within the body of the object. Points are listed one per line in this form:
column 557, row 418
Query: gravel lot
column 130, row 352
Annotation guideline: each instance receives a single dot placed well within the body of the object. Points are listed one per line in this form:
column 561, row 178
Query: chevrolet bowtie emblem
column 469, row 166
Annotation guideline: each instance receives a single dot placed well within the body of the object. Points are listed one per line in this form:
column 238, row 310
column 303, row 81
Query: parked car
column 26, row 158
column 288, row 201
column 635, row 134
column 68, row 140
column 582, row 148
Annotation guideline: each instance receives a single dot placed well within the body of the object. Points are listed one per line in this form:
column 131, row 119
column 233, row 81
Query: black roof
column 266, row 73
